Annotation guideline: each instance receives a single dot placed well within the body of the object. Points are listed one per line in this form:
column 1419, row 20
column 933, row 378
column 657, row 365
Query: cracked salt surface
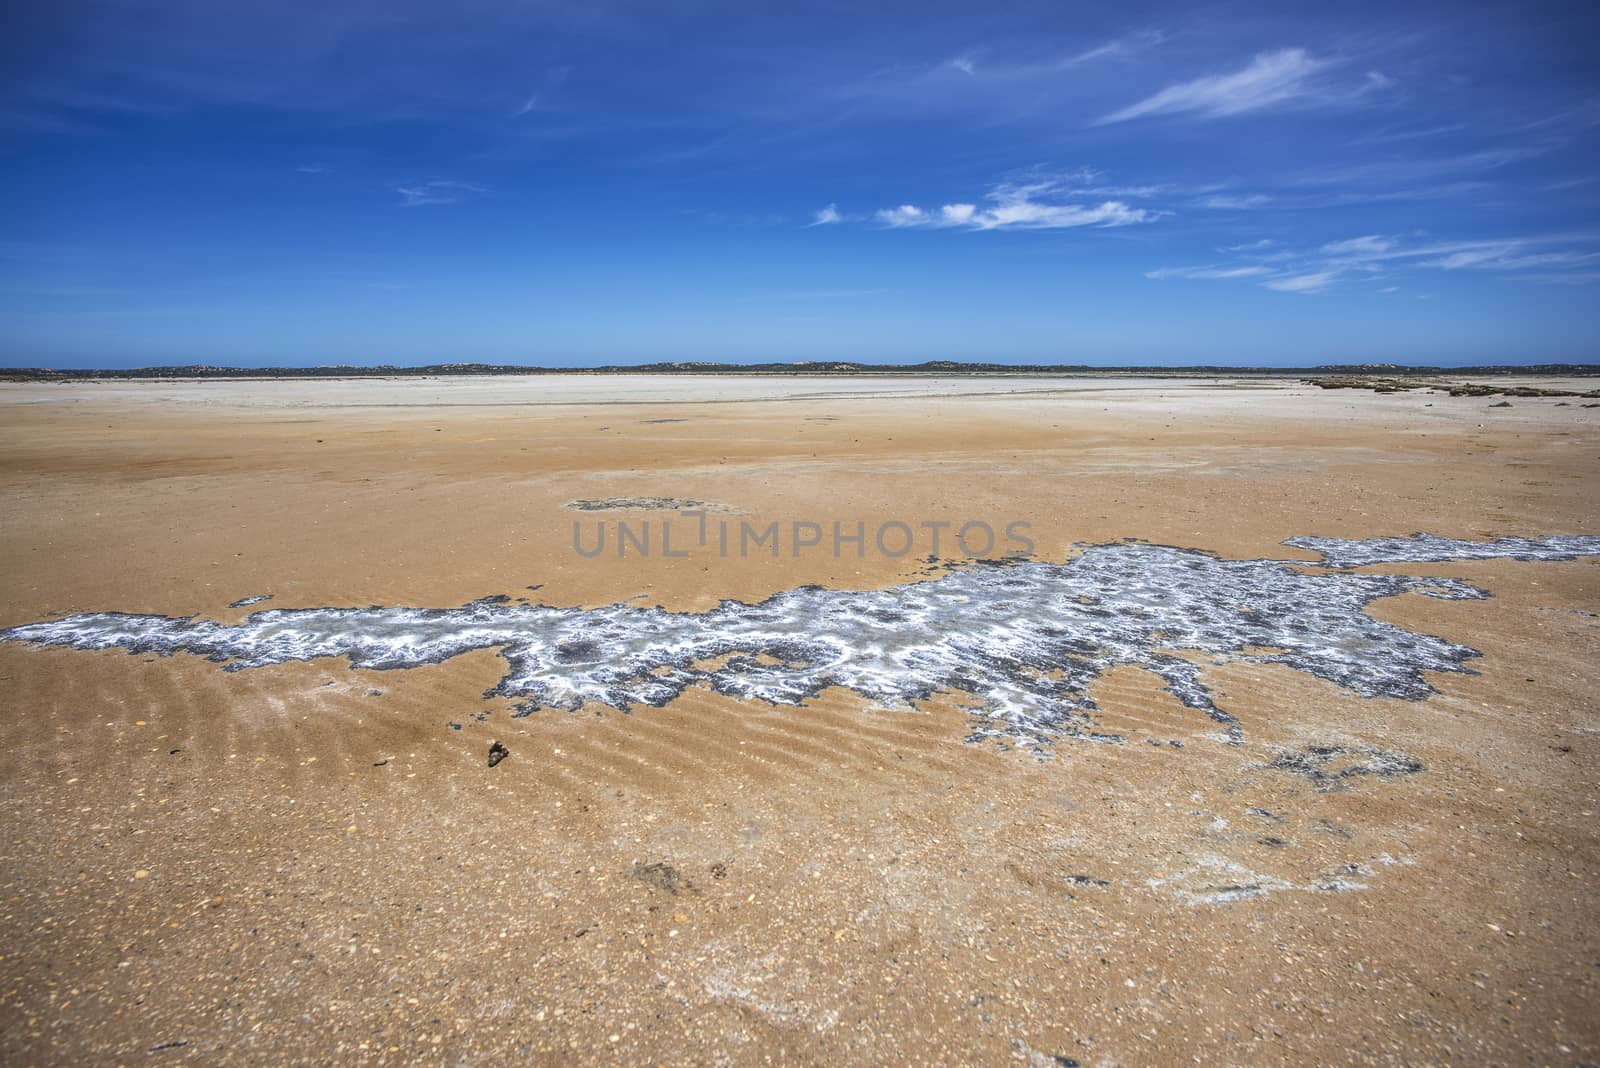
column 1017, row 643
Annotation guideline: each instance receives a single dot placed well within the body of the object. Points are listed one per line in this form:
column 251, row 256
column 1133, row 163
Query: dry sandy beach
column 309, row 862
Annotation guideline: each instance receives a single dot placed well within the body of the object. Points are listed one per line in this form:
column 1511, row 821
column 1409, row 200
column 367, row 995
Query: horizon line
column 797, row 367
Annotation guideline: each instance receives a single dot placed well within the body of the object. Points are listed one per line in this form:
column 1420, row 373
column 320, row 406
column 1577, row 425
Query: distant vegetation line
column 817, row 367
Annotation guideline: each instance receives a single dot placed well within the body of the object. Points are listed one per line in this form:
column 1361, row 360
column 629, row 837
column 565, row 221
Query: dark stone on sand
column 497, row 753
column 634, row 504
column 662, row 876
column 1332, row 767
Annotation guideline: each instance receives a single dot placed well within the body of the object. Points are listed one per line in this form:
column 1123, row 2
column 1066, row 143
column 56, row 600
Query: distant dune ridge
column 798, row 367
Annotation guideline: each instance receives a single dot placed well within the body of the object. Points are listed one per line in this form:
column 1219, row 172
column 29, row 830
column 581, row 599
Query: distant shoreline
column 817, row 369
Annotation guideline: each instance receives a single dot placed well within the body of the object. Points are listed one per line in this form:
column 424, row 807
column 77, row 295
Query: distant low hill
column 804, row 367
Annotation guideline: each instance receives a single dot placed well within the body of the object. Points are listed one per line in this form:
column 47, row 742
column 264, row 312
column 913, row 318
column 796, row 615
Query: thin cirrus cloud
column 538, row 99
column 1360, row 247
column 985, row 80
column 1235, row 202
column 1208, row 272
column 423, row 194
column 1271, row 79
column 973, row 65
column 827, row 216
column 1558, row 259
column 1036, row 206
column 1511, row 257
column 1315, row 282
column 1373, row 252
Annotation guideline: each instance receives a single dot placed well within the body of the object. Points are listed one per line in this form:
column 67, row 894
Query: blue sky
column 583, row 183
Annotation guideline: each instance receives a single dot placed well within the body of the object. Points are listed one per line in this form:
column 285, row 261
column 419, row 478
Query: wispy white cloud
column 1373, row 252
column 1128, row 45
column 1208, row 272
column 1509, row 256
column 1019, row 81
column 1270, row 79
column 1582, row 116
column 1560, row 258
column 977, row 65
column 422, row 194
column 827, row 216
column 1235, row 202
column 1410, row 133
column 1303, row 283
column 1136, row 192
column 1570, row 183
column 1391, row 172
column 1034, row 206
column 554, row 78
column 1084, row 182
column 1367, row 246
column 904, row 215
